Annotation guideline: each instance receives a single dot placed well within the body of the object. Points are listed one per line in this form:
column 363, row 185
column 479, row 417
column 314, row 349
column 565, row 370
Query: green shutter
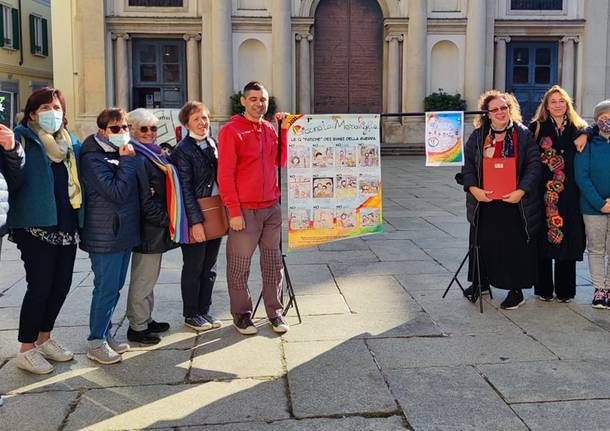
column 45, row 38
column 16, row 25
column 1, row 25
column 32, row 36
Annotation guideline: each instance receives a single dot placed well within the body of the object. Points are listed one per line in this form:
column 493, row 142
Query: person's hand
column 606, row 208
column 7, row 138
column 127, row 150
column 237, row 223
column 197, row 232
column 580, row 142
column 480, row 194
column 513, row 197
column 152, row 191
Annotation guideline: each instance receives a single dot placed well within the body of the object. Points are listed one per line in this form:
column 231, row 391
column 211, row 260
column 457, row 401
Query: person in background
column 156, row 239
column 112, row 224
column 44, row 218
column 593, row 179
column 562, row 239
column 507, row 228
column 247, row 176
column 195, row 158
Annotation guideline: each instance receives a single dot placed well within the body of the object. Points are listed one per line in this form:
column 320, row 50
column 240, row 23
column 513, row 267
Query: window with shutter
column 6, row 28
column 39, row 42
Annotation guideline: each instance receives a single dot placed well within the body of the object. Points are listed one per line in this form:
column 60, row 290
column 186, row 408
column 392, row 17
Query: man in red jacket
column 247, row 178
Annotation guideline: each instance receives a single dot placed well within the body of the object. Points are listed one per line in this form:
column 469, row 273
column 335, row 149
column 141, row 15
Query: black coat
column 11, row 172
column 112, row 210
column 572, row 246
column 154, row 220
column 197, row 170
column 528, row 177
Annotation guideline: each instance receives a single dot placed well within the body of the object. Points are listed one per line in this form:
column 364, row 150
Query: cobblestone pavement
column 378, row 348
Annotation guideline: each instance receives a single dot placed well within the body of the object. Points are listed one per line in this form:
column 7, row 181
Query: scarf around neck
column 58, row 148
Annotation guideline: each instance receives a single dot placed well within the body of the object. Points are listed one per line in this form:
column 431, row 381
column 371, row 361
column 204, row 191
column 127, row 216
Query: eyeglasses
column 501, row 108
column 144, row 129
column 117, row 129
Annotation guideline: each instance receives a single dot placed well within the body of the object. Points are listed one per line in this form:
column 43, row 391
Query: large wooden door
column 348, row 57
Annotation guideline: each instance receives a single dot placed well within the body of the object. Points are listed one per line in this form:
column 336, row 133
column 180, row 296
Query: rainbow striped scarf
column 178, row 224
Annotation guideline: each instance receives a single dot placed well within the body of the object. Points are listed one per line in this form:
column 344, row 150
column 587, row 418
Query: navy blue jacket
column 11, row 169
column 112, row 210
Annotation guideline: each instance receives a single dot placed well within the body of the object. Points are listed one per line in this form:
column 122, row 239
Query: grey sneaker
column 54, row 351
column 33, row 361
column 117, row 346
column 279, row 325
column 104, row 354
column 216, row 323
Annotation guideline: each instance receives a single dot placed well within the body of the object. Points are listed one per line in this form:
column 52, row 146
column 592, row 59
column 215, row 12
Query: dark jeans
column 48, row 272
column 198, row 276
column 565, row 278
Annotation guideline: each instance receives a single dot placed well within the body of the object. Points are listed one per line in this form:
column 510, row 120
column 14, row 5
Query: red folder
column 499, row 176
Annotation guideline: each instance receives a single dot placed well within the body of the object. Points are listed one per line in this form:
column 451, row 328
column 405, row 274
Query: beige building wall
column 20, row 70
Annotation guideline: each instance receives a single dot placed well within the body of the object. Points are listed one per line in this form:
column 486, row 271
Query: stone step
column 402, row 150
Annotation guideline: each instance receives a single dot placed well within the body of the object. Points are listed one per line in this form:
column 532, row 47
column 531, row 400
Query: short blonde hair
column 141, row 117
column 514, row 109
column 542, row 112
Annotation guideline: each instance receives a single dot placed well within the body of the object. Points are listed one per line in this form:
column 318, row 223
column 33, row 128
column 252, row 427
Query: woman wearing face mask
column 112, row 224
column 159, row 226
column 593, row 179
column 507, row 228
column 44, row 219
column 195, row 158
column 555, row 126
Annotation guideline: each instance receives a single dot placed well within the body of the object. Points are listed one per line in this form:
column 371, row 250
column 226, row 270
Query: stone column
column 222, row 58
column 304, row 73
column 281, row 26
column 567, row 65
column 121, row 72
column 474, row 75
column 394, row 74
column 416, row 55
column 500, row 63
column 193, row 70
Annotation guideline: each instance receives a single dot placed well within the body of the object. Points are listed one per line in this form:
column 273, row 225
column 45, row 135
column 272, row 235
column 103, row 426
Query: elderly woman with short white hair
column 162, row 226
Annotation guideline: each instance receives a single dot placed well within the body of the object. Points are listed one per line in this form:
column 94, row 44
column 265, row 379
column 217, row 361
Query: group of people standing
column 535, row 235
column 122, row 200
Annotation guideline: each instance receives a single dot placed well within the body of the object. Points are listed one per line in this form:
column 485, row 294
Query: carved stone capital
column 124, row 36
column 505, row 39
column 394, row 36
column 189, row 36
column 574, row 39
column 304, row 36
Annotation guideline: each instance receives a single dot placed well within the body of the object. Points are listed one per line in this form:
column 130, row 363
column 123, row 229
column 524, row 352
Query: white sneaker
column 54, row 351
column 117, row 346
column 33, row 361
column 104, row 354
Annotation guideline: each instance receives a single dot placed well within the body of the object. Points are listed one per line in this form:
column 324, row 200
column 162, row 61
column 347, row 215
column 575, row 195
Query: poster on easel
column 444, row 138
column 333, row 177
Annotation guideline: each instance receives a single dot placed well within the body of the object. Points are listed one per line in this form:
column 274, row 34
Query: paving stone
column 431, row 232
column 320, row 305
column 225, row 354
column 9, row 317
column 137, row 368
column 427, row 266
column 314, row 279
column 392, row 423
column 22, row 412
column 412, row 282
column 344, row 244
column 397, row 250
column 332, row 378
column 599, row 317
column 550, row 380
column 351, row 256
column 407, row 223
column 454, row 398
column 158, row 406
column 566, row 415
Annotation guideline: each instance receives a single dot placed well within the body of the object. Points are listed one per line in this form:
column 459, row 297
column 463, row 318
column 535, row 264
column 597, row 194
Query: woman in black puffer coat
column 507, row 228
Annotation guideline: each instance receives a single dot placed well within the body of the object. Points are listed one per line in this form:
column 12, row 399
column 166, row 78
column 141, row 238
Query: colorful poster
column 334, row 178
column 444, row 138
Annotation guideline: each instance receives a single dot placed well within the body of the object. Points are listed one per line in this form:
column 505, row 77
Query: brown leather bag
column 215, row 220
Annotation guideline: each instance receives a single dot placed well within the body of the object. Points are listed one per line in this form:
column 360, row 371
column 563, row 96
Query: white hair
column 141, row 117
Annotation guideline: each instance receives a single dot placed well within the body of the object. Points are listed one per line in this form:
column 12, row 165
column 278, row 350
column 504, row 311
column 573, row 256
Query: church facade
column 327, row 56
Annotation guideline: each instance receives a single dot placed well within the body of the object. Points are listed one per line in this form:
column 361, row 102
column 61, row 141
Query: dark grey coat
column 11, row 172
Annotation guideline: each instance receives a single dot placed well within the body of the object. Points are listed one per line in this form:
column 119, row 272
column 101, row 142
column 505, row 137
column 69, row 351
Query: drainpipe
column 20, row 35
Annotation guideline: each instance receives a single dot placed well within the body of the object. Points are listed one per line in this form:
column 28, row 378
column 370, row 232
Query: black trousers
column 564, row 285
column 198, row 276
column 48, row 272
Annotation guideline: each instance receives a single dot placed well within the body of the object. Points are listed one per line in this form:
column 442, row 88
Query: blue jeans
column 109, row 270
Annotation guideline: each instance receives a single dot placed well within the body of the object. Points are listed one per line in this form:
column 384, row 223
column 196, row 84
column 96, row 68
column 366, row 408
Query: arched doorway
column 348, row 56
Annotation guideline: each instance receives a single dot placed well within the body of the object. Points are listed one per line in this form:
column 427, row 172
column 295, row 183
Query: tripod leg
column 479, row 285
column 293, row 299
column 454, row 279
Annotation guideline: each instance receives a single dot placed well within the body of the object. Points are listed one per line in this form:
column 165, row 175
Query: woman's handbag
column 215, row 221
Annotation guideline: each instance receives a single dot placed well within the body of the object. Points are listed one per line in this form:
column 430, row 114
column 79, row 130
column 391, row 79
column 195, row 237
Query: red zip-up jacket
column 247, row 164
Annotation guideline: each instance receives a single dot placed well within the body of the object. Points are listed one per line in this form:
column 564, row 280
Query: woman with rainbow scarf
column 163, row 225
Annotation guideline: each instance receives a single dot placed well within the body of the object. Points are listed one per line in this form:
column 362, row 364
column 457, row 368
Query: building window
column 156, row 3
column 39, row 37
column 536, row 4
column 9, row 27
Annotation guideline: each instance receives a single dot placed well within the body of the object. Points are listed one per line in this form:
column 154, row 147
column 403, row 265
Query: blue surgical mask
column 50, row 121
column 119, row 139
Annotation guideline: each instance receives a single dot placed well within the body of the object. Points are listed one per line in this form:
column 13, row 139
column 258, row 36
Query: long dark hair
column 40, row 97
